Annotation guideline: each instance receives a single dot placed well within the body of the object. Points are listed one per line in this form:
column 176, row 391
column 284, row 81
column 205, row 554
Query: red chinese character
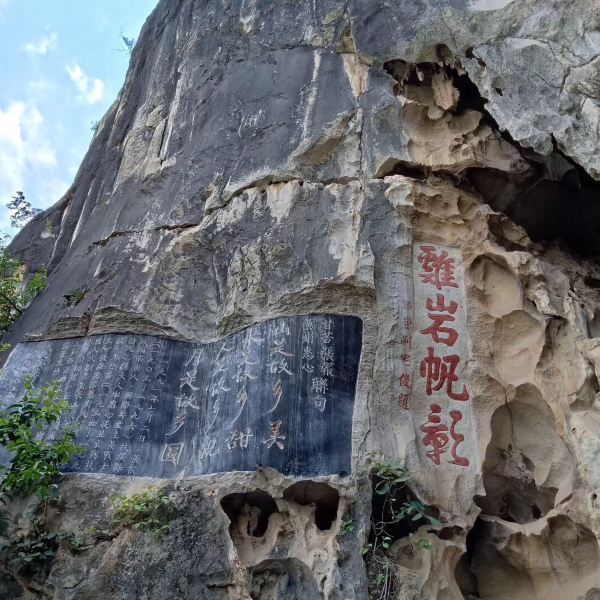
column 439, row 333
column 441, row 372
column 405, row 358
column 438, row 268
column 405, row 380
column 404, row 400
column 407, row 322
column 435, row 436
column 458, row 438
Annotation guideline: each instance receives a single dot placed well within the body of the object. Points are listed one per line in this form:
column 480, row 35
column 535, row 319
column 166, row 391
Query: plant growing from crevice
column 347, row 526
column 396, row 513
column 75, row 297
column 36, row 548
column 126, row 44
column 152, row 511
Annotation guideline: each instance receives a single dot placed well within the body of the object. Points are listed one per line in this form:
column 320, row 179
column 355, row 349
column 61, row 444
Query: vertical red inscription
column 438, row 368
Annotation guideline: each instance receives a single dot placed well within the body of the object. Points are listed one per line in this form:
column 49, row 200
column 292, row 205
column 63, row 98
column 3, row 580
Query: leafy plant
column 36, row 548
column 151, row 510
column 21, row 211
column 30, row 550
column 15, row 295
column 35, row 463
column 34, row 466
column 75, row 297
column 127, row 44
column 395, row 513
column 389, row 475
column 425, row 544
column 348, row 526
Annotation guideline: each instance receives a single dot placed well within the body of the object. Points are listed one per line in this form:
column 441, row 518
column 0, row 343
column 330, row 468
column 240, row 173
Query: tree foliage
column 21, row 211
column 35, row 462
column 127, row 44
column 149, row 511
column 15, row 294
column 34, row 467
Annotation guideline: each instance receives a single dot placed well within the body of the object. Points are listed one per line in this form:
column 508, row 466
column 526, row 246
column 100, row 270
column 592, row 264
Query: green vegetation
column 75, row 297
column 15, row 294
column 348, row 526
column 21, row 211
column 36, row 549
column 35, row 463
column 395, row 514
column 151, row 510
column 127, row 44
column 34, row 468
column 15, row 291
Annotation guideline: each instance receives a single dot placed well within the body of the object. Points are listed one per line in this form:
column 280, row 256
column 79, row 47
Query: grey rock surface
column 269, row 159
column 223, row 99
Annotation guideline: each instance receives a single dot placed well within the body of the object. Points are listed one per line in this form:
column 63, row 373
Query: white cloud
column 24, row 148
column 43, row 45
column 38, row 87
column 91, row 91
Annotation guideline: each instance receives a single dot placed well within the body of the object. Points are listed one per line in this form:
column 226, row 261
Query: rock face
column 430, row 167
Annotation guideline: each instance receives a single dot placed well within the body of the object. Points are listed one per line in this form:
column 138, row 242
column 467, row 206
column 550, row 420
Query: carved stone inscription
column 279, row 394
column 441, row 392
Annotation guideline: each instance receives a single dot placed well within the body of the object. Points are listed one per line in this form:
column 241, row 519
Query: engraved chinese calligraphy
column 441, row 398
column 278, row 394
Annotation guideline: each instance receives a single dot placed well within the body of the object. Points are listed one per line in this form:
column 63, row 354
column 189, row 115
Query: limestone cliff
column 269, row 159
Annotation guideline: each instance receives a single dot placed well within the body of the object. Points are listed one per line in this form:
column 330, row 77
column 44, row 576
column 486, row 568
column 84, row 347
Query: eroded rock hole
column 502, row 562
column 554, row 200
column 282, row 580
column 551, row 197
column 526, row 461
column 563, row 210
column 323, row 497
column 441, row 87
column 249, row 512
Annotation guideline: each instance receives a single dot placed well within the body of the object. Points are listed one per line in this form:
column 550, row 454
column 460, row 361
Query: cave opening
column 254, row 507
column 555, row 201
column 323, row 497
column 551, row 207
column 463, row 572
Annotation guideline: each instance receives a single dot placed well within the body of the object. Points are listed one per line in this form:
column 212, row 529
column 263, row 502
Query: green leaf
column 425, row 544
column 383, row 487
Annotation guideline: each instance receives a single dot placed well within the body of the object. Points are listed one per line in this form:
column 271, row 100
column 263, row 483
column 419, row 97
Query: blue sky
column 60, row 70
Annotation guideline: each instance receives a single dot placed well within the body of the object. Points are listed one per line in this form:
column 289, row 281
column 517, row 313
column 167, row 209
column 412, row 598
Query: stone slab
column 279, row 394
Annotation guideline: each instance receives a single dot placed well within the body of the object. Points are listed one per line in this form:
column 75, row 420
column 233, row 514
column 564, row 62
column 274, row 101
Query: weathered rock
column 282, row 158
